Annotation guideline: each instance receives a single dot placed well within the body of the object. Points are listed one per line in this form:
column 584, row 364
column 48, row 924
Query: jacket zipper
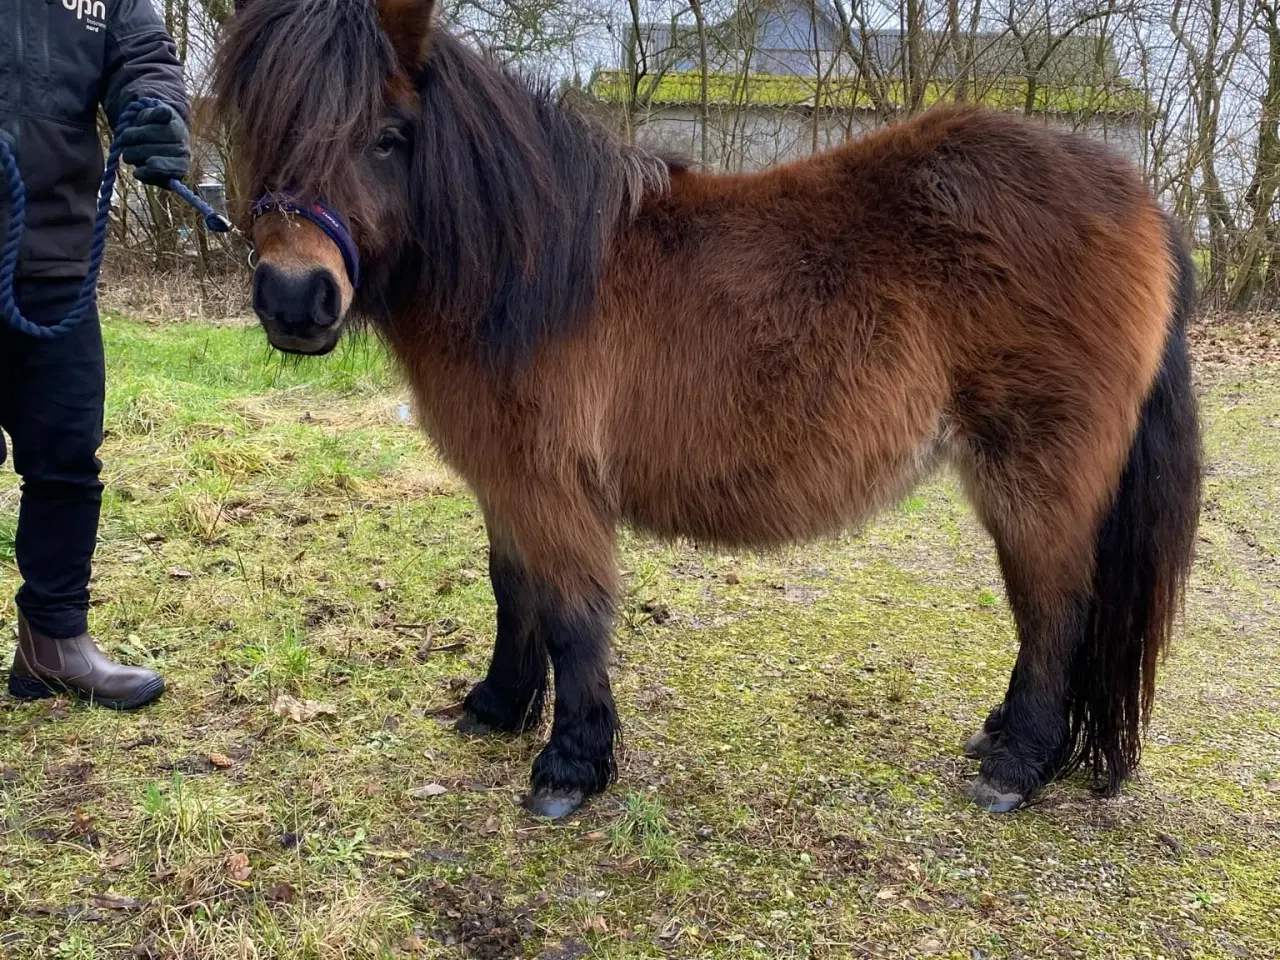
column 21, row 53
column 48, row 25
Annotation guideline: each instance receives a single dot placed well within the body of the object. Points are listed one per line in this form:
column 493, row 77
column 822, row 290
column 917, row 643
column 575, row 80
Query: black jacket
column 59, row 61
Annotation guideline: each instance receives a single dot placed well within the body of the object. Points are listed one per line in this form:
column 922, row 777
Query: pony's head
column 402, row 174
column 323, row 97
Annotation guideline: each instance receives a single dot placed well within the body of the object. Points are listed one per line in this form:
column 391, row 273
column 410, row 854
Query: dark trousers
column 51, row 399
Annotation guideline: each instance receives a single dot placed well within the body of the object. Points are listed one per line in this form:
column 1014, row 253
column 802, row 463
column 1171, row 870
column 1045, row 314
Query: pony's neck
column 518, row 200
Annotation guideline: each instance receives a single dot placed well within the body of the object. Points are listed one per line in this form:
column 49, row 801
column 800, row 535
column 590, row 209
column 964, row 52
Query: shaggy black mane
column 514, row 199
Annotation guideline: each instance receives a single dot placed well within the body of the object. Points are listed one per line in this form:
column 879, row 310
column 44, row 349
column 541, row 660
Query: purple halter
column 334, row 227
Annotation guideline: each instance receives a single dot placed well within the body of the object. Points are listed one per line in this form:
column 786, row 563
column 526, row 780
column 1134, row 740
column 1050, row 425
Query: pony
column 598, row 336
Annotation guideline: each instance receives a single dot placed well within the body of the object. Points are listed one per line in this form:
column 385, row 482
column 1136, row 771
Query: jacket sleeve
column 141, row 61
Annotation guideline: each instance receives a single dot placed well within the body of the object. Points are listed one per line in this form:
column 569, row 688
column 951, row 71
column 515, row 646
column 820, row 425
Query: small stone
column 428, row 792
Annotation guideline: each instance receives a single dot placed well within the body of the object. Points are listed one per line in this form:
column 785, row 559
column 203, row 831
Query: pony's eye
column 387, row 143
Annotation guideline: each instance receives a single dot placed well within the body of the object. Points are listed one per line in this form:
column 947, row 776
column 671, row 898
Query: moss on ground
column 791, row 781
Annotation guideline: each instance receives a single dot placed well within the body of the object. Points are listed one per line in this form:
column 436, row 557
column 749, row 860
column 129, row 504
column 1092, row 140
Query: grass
column 791, row 779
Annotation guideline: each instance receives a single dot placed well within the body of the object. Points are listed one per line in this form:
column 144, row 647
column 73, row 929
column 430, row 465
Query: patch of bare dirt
column 475, row 920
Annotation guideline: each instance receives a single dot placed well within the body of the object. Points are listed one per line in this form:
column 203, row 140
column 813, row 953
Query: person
column 60, row 60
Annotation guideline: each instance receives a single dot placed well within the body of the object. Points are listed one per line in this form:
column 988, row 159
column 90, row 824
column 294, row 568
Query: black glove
column 157, row 146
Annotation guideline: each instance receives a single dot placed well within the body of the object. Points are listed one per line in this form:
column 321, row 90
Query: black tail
column 1144, row 556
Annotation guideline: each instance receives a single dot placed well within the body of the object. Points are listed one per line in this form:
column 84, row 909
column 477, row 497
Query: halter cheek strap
column 331, row 223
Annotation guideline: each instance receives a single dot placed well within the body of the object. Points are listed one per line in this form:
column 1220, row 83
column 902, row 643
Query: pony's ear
column 408, row 24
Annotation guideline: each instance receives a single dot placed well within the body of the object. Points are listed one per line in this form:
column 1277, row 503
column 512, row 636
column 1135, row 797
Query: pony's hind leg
column 1044, row 530
column 982, row 742
column 510, row 697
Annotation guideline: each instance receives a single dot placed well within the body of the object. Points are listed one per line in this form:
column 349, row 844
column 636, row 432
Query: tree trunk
column 704, row 96
column 1260, row 197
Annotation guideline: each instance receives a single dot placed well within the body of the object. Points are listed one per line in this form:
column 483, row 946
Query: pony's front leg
column 556, row 582
column 578, row 759
column 510, row 697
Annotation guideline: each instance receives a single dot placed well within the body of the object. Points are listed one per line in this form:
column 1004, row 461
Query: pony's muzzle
column 300, row 309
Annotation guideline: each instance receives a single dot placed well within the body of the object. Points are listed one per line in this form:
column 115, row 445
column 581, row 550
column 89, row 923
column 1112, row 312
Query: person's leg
column 56, row 428
column 56, row 392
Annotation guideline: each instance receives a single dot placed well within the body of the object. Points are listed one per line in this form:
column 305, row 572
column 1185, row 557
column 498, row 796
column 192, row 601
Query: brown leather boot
column 45, row 667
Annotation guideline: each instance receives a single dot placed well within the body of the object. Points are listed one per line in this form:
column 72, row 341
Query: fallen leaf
column 238, row 868
column 113, row 901
column 300, row 711
column 118, row 861
column 430, row 790
column 445, row 710
column 595, row 836
column 220, row 760
column 598, row 924
column 179, row 573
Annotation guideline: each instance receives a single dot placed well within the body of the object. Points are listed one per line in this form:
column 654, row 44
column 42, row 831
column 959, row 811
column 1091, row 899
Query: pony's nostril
column 326, row 299
column 261, row 297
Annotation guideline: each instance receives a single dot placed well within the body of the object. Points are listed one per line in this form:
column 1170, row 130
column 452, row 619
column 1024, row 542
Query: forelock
column 304, row 83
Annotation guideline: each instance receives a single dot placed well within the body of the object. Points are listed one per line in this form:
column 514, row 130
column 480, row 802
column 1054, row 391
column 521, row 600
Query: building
column 788, row 77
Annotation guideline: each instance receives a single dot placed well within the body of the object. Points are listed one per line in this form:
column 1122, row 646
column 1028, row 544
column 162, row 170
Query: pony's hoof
column 553, row 804
column 469, row 725
column 991, row 798
column 980, row 745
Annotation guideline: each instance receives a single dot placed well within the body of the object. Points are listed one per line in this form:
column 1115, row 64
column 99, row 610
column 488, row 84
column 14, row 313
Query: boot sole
column 31, row 688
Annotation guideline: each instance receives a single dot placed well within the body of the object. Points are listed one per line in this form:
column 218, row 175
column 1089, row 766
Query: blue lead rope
column 89, row 291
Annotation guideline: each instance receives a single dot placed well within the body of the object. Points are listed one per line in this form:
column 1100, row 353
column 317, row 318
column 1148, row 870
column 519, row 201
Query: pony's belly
column 745, row 513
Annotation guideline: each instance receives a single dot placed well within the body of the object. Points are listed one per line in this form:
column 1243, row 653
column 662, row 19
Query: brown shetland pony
column 596, row 336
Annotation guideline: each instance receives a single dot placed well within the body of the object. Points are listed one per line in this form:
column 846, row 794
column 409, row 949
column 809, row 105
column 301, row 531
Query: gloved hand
column 157, row 146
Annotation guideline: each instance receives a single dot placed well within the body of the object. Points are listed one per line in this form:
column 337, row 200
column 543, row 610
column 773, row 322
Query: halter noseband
column 331, row 223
